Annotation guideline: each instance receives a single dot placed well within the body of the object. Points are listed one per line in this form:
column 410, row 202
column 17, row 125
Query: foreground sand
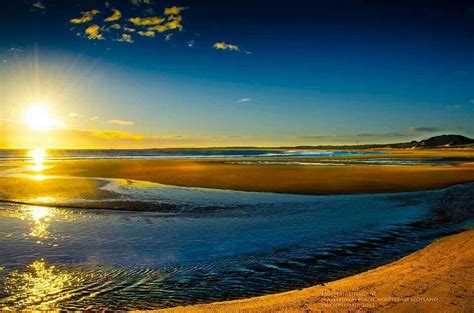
column 439, row 278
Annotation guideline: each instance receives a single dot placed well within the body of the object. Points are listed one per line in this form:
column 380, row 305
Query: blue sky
column 287, row 73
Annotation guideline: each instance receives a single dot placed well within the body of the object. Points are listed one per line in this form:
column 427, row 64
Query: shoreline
column 225, row 174
column 439, row 277
column 292, row 179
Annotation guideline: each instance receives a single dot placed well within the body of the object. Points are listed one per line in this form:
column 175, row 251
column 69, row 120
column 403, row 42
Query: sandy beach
column 322, row 179
column 57, row 178
column 438, row 278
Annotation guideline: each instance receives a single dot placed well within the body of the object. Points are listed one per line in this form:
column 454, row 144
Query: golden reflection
column 44, row 200
column 40, row 283
column 38, row 177
column 38, row 157
column 40, row 218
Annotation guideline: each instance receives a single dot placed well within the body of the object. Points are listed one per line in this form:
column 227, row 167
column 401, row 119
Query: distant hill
column 444, row 141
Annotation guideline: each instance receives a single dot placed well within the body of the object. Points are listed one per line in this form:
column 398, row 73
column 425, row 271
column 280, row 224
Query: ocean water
column 209, row 245
column 362, row 161
column 319, row 157
column 176, row 153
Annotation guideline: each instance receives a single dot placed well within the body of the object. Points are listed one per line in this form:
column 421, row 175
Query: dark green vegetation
column 442, row 141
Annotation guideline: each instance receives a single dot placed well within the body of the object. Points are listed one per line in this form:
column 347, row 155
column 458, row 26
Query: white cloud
column 243, row 100
column 15, row 50
column 74, row 115
column 226, row 46
column 126, row 38
column 121, row 122
column 148, row 33
column 39, row 5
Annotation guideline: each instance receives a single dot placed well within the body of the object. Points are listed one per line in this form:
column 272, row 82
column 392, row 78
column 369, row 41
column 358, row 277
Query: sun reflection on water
column 39, row 286
column 40, row 218
column 37, row 157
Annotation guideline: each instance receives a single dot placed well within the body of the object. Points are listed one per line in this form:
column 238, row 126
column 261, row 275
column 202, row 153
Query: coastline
column 296, row 179
column 439, row 277
column 58, row 178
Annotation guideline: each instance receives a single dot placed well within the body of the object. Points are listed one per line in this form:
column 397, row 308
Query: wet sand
column 296, row 179
column 438, row 278
column 40, row 190
column 39, row 186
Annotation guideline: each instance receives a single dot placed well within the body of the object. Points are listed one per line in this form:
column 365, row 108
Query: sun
column 40, row 117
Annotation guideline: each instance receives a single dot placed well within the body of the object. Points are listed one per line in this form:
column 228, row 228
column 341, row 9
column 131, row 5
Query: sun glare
column 37, row 156
column 40, row 117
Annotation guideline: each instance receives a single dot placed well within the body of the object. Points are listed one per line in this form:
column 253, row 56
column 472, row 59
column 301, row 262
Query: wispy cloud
column 15, row 50
column 116, row 134
column 358, row 135
column 171, row 25
column 453, row 107
column 147, row 33
column 121, row 122
column 146, row 21
column 173, row 10
column 140, row 2
column 226, row 46
column 425, row 129
column 87, row 16
column 126, row 38
column 243, row 100
column 74, row 115
column 39, row 5
column 116, row 15
column 171, row 21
